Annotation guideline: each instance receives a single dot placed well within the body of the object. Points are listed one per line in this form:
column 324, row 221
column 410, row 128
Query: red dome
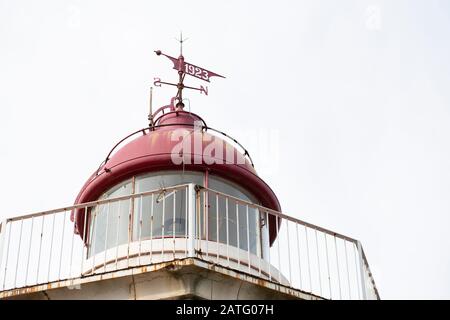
column 156, row 150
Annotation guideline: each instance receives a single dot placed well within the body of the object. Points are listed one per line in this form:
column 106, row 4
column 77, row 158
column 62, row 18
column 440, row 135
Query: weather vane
column 183, row 69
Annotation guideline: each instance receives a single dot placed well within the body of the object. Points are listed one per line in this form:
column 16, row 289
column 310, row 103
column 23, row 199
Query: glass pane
column 110, row 220
column 218, row 210
column 154, row 227
column 229, row 188
column 173, row 203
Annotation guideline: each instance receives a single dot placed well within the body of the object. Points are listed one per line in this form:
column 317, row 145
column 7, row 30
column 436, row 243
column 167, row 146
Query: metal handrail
column 306, row 224
column 143, row 131
column 194, row 247
column 96, row 202
column 283, row 216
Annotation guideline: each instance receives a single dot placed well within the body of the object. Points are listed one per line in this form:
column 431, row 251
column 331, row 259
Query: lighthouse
column 177, row 210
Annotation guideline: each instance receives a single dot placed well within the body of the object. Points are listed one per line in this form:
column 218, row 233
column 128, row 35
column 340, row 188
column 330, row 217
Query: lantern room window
column 164, row 214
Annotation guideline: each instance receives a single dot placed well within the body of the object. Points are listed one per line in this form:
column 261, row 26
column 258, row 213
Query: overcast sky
column 344, row 106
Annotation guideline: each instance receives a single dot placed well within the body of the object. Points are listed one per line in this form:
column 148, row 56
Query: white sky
column 354, row 96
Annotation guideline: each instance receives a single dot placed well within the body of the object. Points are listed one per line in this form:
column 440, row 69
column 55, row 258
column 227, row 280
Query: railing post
column 191, row 195
column 2, row 239
column 361, row 270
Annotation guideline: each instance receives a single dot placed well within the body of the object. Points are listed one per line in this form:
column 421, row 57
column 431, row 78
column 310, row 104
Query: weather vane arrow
column 190, row 69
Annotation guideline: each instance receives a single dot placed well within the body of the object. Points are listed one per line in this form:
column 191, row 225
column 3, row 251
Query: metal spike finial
column 181, row 40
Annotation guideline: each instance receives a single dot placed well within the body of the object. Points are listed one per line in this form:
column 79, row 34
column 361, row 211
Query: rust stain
column 170, row 266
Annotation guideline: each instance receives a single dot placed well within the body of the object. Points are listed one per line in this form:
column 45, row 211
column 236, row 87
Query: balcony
column 182, row 222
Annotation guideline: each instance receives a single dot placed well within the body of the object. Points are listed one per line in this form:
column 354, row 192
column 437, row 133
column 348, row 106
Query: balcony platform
column 188, row 278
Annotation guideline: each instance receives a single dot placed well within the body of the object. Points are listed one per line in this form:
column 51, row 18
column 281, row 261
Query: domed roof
column 179, row 140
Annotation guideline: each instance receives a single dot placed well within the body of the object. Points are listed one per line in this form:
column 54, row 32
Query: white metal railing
column 179, row 222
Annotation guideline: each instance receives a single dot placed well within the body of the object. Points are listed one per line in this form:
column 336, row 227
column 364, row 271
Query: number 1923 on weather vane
column 184, row 68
